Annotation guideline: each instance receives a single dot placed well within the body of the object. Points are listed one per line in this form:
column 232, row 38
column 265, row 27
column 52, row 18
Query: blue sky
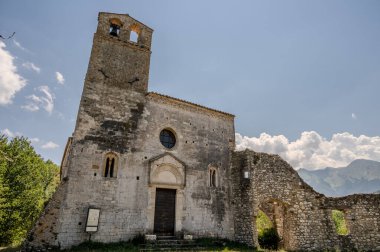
column 305, row 72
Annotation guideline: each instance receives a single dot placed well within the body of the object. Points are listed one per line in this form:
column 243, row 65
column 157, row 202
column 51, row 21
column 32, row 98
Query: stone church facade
column 147, row 163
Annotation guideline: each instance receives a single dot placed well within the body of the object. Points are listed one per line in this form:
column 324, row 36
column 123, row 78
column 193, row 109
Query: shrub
column 26, row 184
column 340, row 222
column 269, row 238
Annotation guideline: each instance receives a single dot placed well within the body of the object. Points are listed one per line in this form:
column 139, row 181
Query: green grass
column 340, row 222
column 9, row 249
column 107, row 247
column 212, row 244
column 209, row 244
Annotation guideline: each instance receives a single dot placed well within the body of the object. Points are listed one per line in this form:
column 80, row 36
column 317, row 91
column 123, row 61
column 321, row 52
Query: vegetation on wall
column 267, row 234
column 26, row 183
column 340, row 222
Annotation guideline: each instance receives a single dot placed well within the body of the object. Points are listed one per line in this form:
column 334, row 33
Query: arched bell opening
column 115, row 25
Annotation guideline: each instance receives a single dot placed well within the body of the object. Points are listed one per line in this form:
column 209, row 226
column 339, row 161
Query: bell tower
column 116, row 83
column 121, row 52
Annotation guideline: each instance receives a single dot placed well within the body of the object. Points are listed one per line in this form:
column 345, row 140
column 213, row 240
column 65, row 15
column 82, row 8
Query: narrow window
column 212, row 180
column 112, row 167
column 134, row 36
column 107, row 167
column 210, row 177
column 340, row 222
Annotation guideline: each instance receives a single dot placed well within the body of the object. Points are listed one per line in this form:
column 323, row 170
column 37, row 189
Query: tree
column 26, row 183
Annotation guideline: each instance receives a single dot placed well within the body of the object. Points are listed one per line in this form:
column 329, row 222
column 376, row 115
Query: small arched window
column 134, row 33
column 115, row 25
column 134, row 36
column 110, row 166
column 212, row 176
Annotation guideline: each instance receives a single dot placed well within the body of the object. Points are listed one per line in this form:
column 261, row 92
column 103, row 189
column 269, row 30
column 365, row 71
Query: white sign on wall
column 92, row 220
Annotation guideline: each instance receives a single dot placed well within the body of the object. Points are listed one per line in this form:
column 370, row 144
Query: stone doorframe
column 166, row 171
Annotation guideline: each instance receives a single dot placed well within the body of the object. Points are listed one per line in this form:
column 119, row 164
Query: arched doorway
column 270, row 224
column 166, row 199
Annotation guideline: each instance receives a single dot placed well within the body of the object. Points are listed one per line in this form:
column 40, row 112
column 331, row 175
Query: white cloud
column 60, row 78
column 7, row 133
column 312, row 150
column 34, row 140
column 50, row 145
column 44, row 100
column 19, row 45
column 11, row 134
column 31, row 66
column 353, row 115
column 10, row 81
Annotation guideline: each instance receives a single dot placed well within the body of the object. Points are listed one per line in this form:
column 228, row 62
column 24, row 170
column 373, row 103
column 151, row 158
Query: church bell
column 114, row 30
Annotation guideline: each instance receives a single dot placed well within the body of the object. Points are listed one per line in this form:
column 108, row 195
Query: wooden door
column 164, row 213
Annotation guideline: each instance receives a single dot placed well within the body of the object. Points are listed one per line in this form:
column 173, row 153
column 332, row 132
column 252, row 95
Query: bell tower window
column 115, row 25
column 134, row 36
column 134, row 33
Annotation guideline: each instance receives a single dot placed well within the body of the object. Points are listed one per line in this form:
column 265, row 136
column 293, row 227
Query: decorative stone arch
column 110, row 165
column 167, row 172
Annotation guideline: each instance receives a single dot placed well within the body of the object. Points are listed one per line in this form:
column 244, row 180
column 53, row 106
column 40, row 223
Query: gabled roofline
column 166, row 154
column 177, row 100
column 112, row 13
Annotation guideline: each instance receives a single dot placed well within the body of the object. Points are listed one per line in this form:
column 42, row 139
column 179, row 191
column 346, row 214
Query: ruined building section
column 301, row 216
column 153, row 164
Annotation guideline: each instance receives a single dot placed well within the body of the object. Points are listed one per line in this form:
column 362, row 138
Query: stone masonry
column 218, row 191
column 302, row 216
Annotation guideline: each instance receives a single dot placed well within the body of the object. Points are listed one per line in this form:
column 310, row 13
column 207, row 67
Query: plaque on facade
column 92, row 220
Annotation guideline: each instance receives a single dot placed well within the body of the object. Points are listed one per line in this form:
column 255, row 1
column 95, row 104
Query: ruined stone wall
column 362, row 214
column 242, row 200
column 302, row 216
column 44, row 233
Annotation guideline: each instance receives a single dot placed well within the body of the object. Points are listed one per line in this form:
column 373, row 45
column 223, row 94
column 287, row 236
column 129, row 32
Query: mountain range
column 360, row 176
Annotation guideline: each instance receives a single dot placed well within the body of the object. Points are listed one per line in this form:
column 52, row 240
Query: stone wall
column 303, row 217
column 44, row 233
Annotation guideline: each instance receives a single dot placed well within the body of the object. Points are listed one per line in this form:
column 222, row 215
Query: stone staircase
column 170, row 243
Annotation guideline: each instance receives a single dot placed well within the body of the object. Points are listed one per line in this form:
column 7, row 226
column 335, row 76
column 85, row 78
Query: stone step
column 170, row 245
column 177, row 245
column 172, row 242
column 172, row 249
column 166, row 237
